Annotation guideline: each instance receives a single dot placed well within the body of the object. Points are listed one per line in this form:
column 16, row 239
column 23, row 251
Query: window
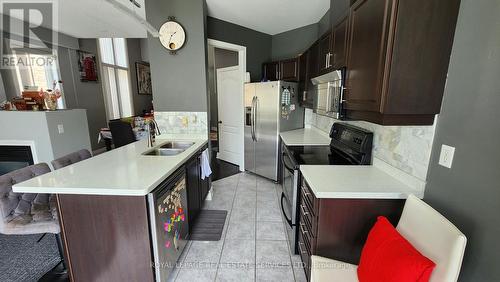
column 115, row 73
column 37, row 73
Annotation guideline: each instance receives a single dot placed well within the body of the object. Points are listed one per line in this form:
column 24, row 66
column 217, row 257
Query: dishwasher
column 168, row 223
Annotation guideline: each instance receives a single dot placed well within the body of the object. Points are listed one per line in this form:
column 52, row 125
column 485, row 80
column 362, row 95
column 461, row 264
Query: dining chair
column 71, row 159
column 121, row 132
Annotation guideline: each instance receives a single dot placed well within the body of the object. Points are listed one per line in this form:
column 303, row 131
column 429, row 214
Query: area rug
column 209, row 225
column 22, row 258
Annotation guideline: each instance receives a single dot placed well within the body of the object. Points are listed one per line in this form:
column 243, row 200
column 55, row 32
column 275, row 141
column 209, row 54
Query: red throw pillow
column 387, row 256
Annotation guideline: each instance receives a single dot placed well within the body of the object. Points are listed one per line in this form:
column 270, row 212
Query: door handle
column 256, row 112
column 220, row 121
column 252, row 114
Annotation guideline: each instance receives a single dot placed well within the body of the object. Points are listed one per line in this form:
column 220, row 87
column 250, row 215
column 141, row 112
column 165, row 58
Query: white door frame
column 242, row 65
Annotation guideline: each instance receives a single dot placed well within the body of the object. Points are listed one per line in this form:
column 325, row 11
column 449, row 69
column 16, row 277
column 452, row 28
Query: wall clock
column 172, row 35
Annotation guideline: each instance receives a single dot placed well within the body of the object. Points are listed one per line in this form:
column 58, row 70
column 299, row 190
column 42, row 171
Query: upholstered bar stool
column 71, row 159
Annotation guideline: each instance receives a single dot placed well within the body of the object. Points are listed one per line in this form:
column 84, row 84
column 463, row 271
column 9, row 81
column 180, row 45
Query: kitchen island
column 107, row 207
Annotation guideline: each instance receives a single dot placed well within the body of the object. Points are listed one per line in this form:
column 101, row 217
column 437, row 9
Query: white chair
column 426, row 229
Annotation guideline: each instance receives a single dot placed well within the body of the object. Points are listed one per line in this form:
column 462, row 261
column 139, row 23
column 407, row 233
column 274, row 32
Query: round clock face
column 172, row 35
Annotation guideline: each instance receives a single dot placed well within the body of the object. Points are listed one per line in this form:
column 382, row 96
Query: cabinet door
column 325, row 52
column 193, row 188
column 366, row 54
column 271, row 71
column 312, row 61
column 339, row 44
column 303, row 78
column 289, row 70
column 204, row 187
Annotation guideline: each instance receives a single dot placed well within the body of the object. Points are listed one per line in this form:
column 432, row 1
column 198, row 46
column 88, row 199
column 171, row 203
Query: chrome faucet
column 153, row 130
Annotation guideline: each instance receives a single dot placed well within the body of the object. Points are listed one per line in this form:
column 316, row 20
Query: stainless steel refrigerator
column 270, row 108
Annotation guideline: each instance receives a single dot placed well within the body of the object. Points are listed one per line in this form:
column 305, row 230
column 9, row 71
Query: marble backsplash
column 407, row 148
column 173, row 123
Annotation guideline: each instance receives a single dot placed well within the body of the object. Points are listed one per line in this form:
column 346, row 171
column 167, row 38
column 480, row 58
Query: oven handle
column 291, row 170
column 283, row 210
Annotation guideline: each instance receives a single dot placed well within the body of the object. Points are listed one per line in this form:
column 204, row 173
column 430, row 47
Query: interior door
column 229, row 100
column 266, row 129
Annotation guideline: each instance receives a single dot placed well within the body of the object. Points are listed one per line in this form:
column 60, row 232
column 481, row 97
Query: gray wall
column 324, row 23
column 290, row 43
column 179, row 81
column 83, row 95
column 469, row 193
column 259, row 45
column 141, row 102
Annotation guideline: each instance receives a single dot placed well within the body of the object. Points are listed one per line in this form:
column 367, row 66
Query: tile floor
column 253, row 245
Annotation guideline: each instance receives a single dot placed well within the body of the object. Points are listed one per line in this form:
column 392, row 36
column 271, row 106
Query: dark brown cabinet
column 271, row 71
column 197, row 188
column 193, row 188
column 325, row 52
column 340, row 33
column 304, row 99
column 338, row 228
column 398, row 56
column 313, row 61
column 287, row 70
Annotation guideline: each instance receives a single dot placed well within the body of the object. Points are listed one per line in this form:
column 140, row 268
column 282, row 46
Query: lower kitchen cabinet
column 338, row 228
column 197, row 188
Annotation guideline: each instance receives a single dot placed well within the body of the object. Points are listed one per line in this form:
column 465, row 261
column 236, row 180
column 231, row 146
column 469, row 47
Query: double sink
column 170, row 148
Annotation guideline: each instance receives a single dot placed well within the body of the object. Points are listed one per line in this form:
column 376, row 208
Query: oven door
column 289, row 200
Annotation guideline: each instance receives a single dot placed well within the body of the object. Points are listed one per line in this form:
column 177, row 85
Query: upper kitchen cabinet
column 305, row 99
column 397, row 59
column 289, row 70
column 325, row 50
column 339, row 44
column 271, row 70
column 313, row 61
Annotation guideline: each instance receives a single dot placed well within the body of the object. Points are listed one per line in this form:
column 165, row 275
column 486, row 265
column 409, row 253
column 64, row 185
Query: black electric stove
column 349, row 145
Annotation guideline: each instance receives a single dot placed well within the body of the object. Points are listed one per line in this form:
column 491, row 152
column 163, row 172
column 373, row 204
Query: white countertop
column 305, row 137
column 123, row 171
column 362, row 182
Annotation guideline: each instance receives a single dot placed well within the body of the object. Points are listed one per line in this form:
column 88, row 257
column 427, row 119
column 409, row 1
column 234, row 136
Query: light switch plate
column 446, row 156
column 60, row 128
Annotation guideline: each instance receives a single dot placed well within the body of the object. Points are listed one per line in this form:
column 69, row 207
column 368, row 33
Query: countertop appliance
column 329, row 90
column 349, row 145
column 270, row 108
column 168, row 223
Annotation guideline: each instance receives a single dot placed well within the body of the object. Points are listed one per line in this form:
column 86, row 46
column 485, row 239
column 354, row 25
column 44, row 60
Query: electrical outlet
column 446, row 156
column 60, row 128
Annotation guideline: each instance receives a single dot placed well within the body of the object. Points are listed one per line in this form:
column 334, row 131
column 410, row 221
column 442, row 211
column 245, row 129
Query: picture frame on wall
column 143, row 71
column 87, row 66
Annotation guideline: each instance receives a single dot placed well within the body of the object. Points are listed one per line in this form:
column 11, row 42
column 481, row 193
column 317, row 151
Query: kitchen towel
column 205, row 165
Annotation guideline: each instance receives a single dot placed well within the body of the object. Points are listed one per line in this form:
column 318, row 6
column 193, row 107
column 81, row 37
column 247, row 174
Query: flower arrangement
column 50, row 96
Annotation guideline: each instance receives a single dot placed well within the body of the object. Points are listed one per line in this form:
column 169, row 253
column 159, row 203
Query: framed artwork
column 87, row 65
column 144, row 86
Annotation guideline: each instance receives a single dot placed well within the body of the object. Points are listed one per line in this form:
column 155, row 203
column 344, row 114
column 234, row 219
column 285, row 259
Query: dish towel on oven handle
column 205, row 165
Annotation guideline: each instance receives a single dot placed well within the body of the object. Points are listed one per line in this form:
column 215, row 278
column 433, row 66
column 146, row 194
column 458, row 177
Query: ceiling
column 96, row 18
column 269, row 16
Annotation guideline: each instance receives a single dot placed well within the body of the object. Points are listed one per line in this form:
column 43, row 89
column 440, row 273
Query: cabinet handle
column 303, row 229
column 304, row 212
column 300, row 249
column 304, row 97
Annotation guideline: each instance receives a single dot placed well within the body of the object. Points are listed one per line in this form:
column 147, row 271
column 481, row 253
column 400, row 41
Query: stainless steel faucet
column 153, row 130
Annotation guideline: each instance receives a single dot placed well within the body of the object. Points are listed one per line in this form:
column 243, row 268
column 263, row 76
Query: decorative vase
column 50, row 104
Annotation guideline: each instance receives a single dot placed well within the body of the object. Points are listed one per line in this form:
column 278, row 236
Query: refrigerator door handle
column 253, row 118
column 256, row 112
